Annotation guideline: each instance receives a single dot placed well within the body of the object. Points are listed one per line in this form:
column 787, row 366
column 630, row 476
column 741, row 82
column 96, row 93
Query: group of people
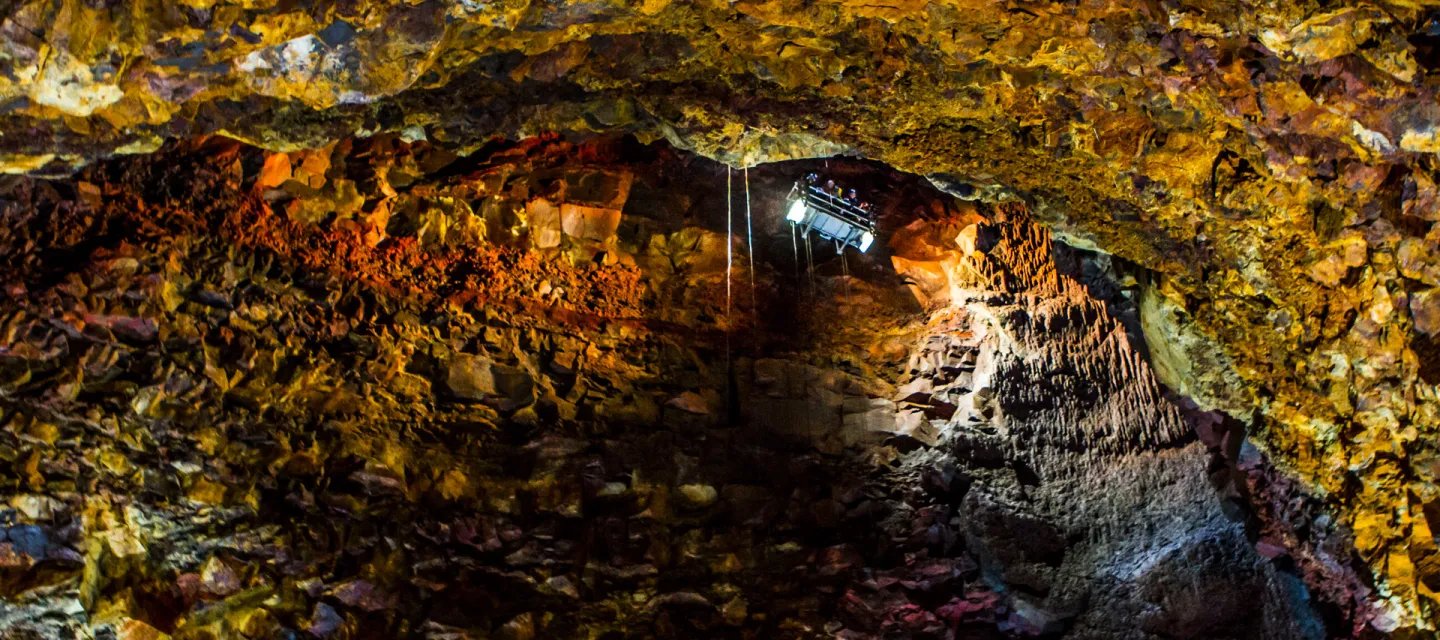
column 849, row 197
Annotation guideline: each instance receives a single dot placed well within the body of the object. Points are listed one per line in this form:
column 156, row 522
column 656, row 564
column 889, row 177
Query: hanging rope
column 810, row 264
column 795, row 246
column 750, row 241
column 729, row 252
column 729, row 263
column 844, row 269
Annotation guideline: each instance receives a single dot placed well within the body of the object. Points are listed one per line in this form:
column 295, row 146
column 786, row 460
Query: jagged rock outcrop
column 1076, row 445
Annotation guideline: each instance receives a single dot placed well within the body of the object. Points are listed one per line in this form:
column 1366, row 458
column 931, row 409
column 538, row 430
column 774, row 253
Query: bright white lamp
column 865, row 240
column 797, row 212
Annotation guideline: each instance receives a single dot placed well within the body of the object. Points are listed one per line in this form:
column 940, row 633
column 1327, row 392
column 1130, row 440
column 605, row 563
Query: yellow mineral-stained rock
column 1267, row 168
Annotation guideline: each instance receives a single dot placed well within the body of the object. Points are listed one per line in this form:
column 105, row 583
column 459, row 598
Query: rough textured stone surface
column 373, row 398
column 1242, row 152
column 1062, row 426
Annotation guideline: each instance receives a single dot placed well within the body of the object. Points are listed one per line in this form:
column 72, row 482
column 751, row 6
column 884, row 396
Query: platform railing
column 828, row 203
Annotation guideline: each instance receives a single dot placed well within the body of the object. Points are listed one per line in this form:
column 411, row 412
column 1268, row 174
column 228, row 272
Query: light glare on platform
column 865, row 240
column 797, row 212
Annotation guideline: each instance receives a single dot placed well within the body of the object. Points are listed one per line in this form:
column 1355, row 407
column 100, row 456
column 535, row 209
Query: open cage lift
column 832, row 218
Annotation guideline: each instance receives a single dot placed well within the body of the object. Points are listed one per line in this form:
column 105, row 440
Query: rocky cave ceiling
column 1268, row 169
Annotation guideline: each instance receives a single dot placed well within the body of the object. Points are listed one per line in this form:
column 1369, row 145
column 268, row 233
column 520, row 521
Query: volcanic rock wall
column 378, row 390
column 1063, row 425
column 1272, row 163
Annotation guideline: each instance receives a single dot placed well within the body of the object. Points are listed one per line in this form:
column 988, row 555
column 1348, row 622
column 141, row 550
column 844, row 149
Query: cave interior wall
column 380, row 389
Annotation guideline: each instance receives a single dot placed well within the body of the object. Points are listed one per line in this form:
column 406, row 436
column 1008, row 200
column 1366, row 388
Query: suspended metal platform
column 832, row 218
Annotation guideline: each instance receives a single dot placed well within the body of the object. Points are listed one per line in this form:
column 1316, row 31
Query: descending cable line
column 810, row 249
column 795, row 246
column 845, row 269
column 729, row 246
column 729, row 262
column 750, row 241
column 810, row 264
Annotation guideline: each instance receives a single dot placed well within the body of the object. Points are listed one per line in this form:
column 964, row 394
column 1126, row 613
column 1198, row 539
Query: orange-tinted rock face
column 1271, row 167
